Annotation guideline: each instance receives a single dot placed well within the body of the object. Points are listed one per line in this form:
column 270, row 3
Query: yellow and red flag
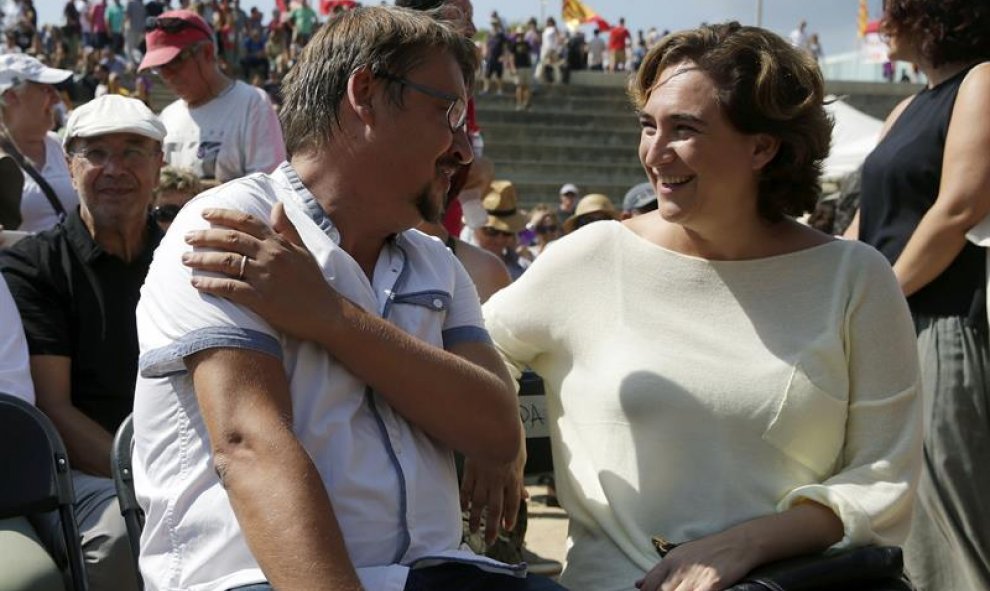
column 864, row 18
column 576, row 13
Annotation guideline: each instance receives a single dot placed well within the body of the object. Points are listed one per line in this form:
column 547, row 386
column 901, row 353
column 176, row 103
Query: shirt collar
column 312, row 207
column 89, row 250
column 309, row 203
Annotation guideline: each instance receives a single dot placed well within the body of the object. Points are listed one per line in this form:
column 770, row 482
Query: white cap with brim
column 18, row 67
column 112, row 113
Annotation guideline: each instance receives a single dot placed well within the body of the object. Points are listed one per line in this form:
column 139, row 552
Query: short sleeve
column 174, row 319
column 15, row 371
column 463, row 323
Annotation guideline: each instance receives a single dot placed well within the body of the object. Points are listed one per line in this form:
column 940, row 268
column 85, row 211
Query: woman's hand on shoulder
column 265, row 268
column 711, row 563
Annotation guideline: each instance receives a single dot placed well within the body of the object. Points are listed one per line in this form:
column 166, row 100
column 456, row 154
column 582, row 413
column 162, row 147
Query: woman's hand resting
column 711, row 563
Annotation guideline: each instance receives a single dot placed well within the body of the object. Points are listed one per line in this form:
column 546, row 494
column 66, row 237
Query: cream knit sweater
column 688, row 395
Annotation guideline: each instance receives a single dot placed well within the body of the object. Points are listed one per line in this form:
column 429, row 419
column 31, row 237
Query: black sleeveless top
column 901, row 180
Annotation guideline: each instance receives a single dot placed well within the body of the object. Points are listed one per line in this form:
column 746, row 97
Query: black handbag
column 870, row 568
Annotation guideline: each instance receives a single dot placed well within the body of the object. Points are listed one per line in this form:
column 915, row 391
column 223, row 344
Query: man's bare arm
column 463, row 397
column 275, row 490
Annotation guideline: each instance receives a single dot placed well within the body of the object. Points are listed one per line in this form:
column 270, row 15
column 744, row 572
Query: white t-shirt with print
column 231, row 136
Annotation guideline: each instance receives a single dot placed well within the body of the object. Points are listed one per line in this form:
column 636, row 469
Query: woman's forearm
column 806, row 528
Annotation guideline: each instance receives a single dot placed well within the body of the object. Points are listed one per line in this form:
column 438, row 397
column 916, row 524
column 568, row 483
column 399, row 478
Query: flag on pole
column 864, row 18
column 576, row 13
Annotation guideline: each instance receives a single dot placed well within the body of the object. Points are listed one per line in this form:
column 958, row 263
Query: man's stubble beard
column 430, row 207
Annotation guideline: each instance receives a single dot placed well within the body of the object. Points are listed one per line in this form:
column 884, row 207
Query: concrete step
column 574, row 153
column 160, row 96
column 539, row 133
column 604, row 121
column 619, row 103
column 575, row 172
column 532, row 192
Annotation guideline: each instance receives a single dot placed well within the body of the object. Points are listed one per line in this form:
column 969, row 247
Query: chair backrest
column 38, row 478
column 123, row 480
column 533, row 412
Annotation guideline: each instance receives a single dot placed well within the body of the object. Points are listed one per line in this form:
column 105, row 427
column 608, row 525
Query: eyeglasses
column 546, row 229
column 177, row 61
column 495, row 233
column 100, row 157
column 165, row 213
column 171, row 25
column 456, row 113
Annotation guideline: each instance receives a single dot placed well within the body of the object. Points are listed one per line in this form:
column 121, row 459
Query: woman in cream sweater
column 718, row 374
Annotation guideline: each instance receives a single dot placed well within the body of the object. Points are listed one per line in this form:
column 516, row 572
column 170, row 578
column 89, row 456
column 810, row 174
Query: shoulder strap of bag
column 11, row 149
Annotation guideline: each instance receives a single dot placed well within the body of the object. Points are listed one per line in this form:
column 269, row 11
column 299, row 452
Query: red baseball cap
column 170, row 33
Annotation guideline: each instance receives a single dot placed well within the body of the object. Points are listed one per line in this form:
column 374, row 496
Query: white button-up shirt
column 394, row 489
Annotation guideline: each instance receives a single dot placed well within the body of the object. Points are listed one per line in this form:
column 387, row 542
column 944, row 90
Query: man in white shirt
column 596, row 52
column 221, row 128
column 549, row 52
column 306, row 443
column 799, row 37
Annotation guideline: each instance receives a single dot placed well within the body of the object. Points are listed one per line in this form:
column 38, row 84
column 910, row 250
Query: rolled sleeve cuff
column 168, row 360
column 856, row 523
column 465, row 334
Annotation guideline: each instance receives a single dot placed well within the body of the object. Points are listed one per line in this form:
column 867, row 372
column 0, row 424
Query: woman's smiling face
column 701, row 166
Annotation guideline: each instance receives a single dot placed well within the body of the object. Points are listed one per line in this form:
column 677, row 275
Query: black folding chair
column 123, row 480
column 38, row 479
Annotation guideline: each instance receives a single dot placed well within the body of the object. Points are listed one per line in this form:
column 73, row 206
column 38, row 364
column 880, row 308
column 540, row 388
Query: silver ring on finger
column 244, row 259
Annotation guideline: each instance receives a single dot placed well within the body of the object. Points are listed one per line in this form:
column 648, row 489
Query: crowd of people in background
column 249, row 129
column 102, row 41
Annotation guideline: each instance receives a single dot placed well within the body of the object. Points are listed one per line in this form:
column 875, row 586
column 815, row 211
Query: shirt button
column 437, row 303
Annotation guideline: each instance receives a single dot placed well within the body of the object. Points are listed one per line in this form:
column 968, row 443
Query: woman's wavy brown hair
column 764, row 86
column 943, row 31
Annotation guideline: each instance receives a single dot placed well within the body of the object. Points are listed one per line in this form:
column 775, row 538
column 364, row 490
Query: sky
column 833, row 20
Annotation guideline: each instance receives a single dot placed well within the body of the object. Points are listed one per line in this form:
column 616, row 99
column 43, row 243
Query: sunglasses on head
column 171, row 25
column 494, row 232
column 589, row 218
column 165, row 213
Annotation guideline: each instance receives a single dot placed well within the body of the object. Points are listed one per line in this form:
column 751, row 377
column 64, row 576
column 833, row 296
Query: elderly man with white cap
column 28, row 111
column 76, row 287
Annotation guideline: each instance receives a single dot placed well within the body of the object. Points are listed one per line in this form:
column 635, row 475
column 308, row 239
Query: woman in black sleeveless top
column 924, row 186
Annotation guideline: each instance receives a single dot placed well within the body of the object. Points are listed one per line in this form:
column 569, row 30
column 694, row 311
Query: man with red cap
column 219, row 127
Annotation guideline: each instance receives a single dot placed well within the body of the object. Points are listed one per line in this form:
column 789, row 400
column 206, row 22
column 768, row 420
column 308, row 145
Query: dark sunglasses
column 494, row 233
column 590, row 218
column 546, row 229
column 165, row 213
column 651, row 206
column 171, row 25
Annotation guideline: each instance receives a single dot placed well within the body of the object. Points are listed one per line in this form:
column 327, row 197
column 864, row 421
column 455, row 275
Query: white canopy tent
column 854, row 136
